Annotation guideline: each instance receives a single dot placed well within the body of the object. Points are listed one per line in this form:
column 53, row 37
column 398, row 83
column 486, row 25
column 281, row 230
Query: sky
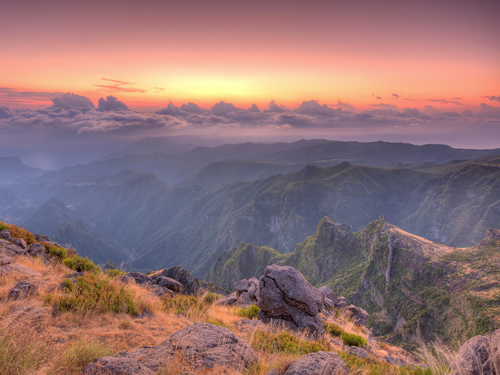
column 415, row 71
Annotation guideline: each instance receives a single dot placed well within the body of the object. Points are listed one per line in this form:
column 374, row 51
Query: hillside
column 408, row 284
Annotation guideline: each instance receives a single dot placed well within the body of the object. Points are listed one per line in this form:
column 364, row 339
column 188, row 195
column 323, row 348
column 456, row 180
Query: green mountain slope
column 88, row 243
column 49, row 216
column 409, row 285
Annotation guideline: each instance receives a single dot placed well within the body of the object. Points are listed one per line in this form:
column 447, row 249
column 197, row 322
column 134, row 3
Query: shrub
column 4, row 226
column 114, row 272
column 194, row 307
column 95, row 293
column 80, row 264
column 210, row 298
column 217, row 322
column 17, row 232
column 78, row 355
column 333, row 330
column 59, row 252
column 352, row 339
column 248, row 313
column 22, row 351
column 284, row 342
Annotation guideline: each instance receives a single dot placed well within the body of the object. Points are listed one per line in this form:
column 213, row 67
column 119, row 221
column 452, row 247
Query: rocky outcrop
column 18, row 270
column 36, row 250
column 201, row 346
column 318, row 363
column 358, row 315
column 191, row 285
column 227, row 300
column 495, row 350
column 10, row 249
column 247, row 292
column 139, row 278
column 170, row 283
column 492, row 236
column 286, row 296
column 474, row 357
column 23, row 289
column 208, row 346
column 4, row 259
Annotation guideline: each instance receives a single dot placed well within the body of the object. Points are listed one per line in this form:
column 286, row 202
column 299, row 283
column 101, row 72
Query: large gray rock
column 358, row 315
column 23, row 289
column 36, row 250
column 5, row 234
column 139, row 278
column 117, row 366
column 41, row 238
column 170, row 283
column 201, row 346
column 191, row 285
column 247, row 292
column 285, row 295
column 18, row 270
column 228, row 300
column 319, row 363
column 357, row 352
column 209, row 346
column 10, row 249
column 495, row 350
column 21, row 243
column 328, row 293
column 473, row 358
column 4, row 259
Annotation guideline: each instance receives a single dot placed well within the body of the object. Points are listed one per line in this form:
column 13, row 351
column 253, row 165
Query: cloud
column 192, row 108
column 395, row 96
column 253, row 108
column 274, row 108
column 385, row 106
column 457, row 98
column 344, row 106
column 443, row 101
column 223, row 108
column 68, row 101
column 376, row 96
column 111, row 104
column 489, row 111
column 116, row 85
column 5, row 113
column 492, row 98
column 171, row 110
column 313, row 108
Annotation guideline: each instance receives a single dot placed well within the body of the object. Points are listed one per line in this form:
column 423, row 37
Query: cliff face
column 408, row 284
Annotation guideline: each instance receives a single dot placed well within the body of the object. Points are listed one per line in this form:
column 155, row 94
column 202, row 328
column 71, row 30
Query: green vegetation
column 4, row 226
column 195, row 309
column 74, row 359
column 351, row 339
column 210, row 298
column 370, row 367
column 114, row 272
column 60, row 253
column 80, row 264
column 249, row 313
column 285, row 342
column 95, row 293
column 333, row 329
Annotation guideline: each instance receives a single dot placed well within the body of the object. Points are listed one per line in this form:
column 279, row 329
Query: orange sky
column 440, row 53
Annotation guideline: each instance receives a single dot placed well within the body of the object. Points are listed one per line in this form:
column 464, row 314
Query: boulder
column 126, row 279
column 209, row 346
column 21, row 243
column 247, row 292
column 285, row 295
column 23, row 289
column 328, row 293
column 191, row 285
column 341, row 302
column 36, row 250
column 10, row 249
column 318, row 363
column 117, row 366
column 357, row 352
column 200, row 345
column 358, row 315
column 18, row 270
column 227, row 300
column 5, row 234
column 495, row 350
column 41, row 237
column 160, row 291
column 474, row 357
column 4, row 259
column 170, row 283
column 139, row 278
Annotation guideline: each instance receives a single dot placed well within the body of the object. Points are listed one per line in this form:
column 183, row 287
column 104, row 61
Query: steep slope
column 49, row 216
column 88, row 242
column 409, row 285
column 278, row 211
column 458, row 206
column 12, row 170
